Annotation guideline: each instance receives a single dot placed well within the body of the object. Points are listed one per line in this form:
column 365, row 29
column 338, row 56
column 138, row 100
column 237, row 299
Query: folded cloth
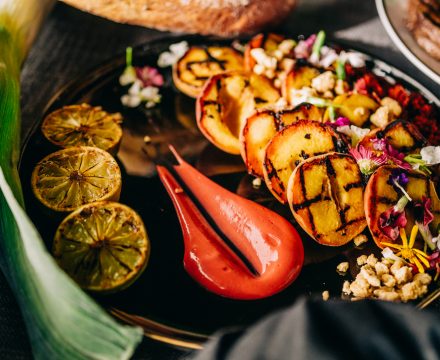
column 313, row 329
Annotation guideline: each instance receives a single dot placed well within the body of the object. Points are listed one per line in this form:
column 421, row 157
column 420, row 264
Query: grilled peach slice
column 269, row 42
column 200, row 63
column 402, row 135
column 356, row 107
column 225, row 103
column 262, row 126
column 380, row 196
column 290, row 146
column 325, row 195
column 301, row 76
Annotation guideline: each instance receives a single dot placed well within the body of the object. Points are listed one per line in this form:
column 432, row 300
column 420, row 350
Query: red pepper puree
column 233, row 247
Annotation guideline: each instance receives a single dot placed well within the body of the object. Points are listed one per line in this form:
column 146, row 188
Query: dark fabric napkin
column 314, row 329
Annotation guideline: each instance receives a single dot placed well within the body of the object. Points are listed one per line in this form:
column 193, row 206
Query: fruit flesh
column 72, row 177
column 380, row 196
column 226, row 102
column 199, row 63
column 292, row 145
column 83, row 125
column 325, row 194
column 102, row 246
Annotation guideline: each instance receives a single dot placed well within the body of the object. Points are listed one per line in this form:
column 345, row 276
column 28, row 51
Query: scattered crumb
column 360, row 239
column 342, row 267
column 325, row 295
column 178, row 190
column 386, row 280
column 361, row 260
column 256, row 183
column 147, row 139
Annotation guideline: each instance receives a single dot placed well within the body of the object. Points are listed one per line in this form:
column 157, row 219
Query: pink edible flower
column 423, row 211
column 367, row 160
column 340, row 121
column 149, row 76
column 391, row 220
column 393, row 155
column 304, row 47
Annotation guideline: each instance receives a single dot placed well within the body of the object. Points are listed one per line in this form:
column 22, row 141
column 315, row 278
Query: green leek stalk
column 62, row 321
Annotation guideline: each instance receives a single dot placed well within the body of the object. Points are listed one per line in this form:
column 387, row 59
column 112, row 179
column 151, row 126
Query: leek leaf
column 63, row 322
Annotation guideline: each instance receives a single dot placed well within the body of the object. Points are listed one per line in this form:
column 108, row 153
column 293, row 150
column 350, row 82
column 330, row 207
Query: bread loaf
column 215, row 17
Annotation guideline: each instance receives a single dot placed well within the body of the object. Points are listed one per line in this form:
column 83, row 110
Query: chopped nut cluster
column 275, row 64
column 325, row 295
column 386, row 280
column 387, row 112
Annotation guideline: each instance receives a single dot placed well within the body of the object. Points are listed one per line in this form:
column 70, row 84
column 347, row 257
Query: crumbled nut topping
column 386, row 280
column 342, row 267
column 325, row 295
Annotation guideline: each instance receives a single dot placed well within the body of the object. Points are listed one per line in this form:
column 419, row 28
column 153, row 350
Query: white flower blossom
column 168, row 58
column 431, row 155
column 387, row 253
column 355, row 133
column 356, row 59
column 128, row 76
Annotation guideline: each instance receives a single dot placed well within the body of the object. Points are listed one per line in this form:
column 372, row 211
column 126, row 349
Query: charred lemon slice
column 83, row 125
column 70, row 178
column 103, row 246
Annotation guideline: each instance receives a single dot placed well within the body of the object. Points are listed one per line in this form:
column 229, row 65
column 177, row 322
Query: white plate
column 392, row 13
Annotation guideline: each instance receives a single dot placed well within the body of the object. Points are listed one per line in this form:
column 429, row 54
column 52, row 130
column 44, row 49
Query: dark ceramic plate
column 165, row 301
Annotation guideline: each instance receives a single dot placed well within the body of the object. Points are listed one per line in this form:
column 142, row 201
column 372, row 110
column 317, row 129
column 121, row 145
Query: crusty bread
column 218, row 17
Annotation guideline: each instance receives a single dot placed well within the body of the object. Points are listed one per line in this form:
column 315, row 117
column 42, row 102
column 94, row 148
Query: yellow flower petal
column 420, row 252
column 419, row 266
column 398, row 247
column 423, row 260
column 403, row 237
column 414, row 232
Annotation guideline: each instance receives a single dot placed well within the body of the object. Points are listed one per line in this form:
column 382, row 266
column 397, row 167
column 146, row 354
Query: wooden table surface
column 71, row 43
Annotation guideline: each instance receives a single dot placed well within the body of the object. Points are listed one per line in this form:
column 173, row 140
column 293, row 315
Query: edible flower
column 129, row 74
column 408, row 252
column 393, row 155
column 423, row 217
column 367, row 160
column 394, row 218
column 398, row 179
column 304, row 47
column 176, row 51
column 149, row 76
column 431, row 155
column 355, row 133
column 340, row 121
column 145, row 82
column 434, row 263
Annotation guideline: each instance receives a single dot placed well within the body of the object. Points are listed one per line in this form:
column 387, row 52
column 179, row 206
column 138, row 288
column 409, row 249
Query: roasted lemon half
column 83, row 125
column 70, row 178
column 103, row 246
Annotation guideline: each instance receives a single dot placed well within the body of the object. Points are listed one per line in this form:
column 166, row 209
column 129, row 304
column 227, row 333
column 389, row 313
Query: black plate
column 165, row 300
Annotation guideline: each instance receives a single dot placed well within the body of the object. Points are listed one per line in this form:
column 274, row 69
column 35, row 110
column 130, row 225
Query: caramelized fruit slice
column 103, row 246
column 401, row 134
column 262, row 126
column 70, row 178
column 380, row 196
column 325, row 194
column 83, row 125
column 301, row 76
column 269, row 42
column 356, row 107
column 225, row 103
column 200, row 63
column 292, row 145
